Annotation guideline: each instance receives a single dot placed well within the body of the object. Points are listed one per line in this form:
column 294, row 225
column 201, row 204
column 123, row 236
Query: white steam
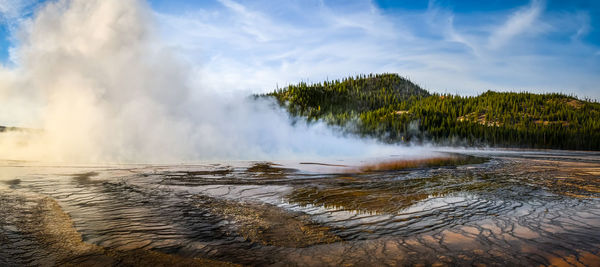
column 105, row 89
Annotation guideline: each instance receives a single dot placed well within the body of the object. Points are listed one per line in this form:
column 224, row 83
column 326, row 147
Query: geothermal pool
column 479, row 207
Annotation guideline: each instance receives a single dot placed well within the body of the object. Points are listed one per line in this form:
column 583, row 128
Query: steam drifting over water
column 106, row 89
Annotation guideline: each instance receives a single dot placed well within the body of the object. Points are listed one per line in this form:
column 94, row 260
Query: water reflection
column 509, row 209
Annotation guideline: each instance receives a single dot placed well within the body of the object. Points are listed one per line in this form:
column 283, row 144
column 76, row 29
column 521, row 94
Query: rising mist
column 99, row 81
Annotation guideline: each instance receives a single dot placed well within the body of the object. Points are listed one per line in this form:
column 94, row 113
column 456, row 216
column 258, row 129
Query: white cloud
column 247, row 47
column 10, row 10
column 12, row 14
column 583, row 21
column 521, row 21
column 8, row 7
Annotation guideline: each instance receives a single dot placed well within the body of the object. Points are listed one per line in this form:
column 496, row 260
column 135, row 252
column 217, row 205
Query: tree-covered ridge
column 353, row 94
column 394, row 109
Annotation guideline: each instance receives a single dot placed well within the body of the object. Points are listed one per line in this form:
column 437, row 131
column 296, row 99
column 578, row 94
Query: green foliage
column 393, row 109
column 350, row 95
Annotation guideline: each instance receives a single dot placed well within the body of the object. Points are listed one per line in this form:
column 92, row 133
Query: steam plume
column 106, row 89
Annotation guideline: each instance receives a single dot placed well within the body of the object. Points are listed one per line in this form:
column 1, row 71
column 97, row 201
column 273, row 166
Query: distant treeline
column 19, row 129
column 393, row 109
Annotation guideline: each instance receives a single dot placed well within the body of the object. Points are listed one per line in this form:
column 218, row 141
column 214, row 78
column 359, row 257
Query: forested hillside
column 393, row 109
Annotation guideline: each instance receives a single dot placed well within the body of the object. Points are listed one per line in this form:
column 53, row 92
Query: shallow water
column 500, row 208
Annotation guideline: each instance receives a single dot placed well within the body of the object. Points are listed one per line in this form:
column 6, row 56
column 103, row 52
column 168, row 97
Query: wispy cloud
column 266, row 50
column 583, row 27
column 259, row 45
column 252, row 23
column 522, row 21
column 12, row 10
column 9, row 8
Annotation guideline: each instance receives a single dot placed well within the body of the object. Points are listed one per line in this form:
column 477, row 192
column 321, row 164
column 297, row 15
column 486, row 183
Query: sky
column 457, row 47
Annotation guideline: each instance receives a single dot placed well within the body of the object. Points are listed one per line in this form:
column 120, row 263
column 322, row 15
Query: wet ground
column 516, row 208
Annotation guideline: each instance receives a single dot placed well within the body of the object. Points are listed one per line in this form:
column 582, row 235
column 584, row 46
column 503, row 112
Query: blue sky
column 463, row 47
